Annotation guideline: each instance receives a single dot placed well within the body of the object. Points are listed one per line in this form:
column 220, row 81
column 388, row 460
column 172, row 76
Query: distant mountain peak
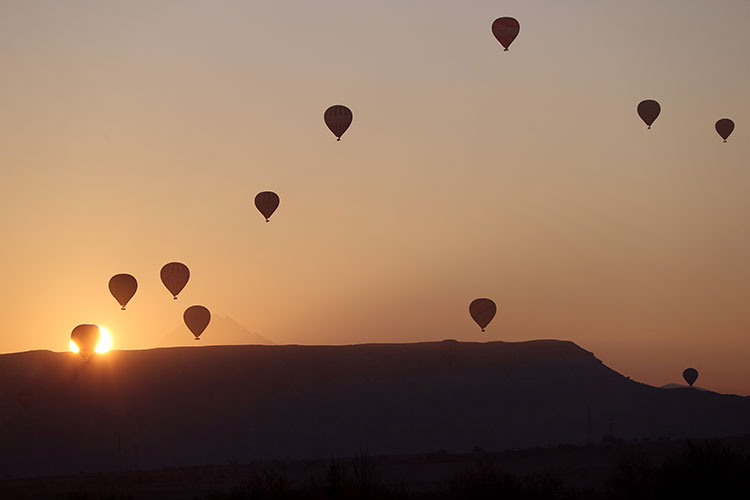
column 223, row 330
column 682, row 386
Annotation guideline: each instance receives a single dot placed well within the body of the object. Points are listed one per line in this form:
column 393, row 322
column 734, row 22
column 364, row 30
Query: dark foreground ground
column 705, row 469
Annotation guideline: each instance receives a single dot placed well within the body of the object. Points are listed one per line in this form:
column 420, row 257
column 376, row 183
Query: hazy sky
column 135, row 133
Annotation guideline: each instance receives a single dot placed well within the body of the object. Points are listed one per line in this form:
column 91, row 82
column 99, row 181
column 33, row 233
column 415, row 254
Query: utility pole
column 119, row 452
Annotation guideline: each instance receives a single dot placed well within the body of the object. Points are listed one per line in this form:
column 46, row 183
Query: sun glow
column 104, row 345
column 105, row 340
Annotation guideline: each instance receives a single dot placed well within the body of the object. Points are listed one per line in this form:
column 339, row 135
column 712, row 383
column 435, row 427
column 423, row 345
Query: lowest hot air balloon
column 690, row 375
column 725, row 127
column 449, row 351
column 197, row 319
column 175, row 276
column 86, row 337
column 482, row 311
column 267, row 202
column 649, row 110
column 505, row 30
column 123, row 287
column 338, row 118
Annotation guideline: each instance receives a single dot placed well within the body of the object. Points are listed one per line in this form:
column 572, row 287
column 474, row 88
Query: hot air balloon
column 482, row 311
column 649, row 110
column 449, row 351
column 690, row 375
column 123, row 287
column 338, row 118
column 86, row 338
column 197, row 319
column 725, row 127
column 175, row 276
column 505, row 30
column 267, row 202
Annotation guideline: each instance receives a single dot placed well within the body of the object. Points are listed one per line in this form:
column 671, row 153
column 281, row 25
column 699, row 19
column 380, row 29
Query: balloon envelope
column 86, row 338
column 648, row 110
column 267, row 202
column 123, row 287
column 197, row 319
column 505, row 30
column 690, row 375
column 175, row 276
column 449, row 351
column 725, row 127
column 338, row 118
column 482, row 311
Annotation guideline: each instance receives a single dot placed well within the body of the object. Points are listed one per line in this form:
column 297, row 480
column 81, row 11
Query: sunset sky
column 135, row 133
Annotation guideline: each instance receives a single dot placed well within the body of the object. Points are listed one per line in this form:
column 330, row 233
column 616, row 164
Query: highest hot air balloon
column 267, row 202
column 123, row 287
column 649, row 110
column 86, row 337
column 197, row 319
column 175, row 276
column 482, row 311
column 690, row 375
column 725, row 127
column 505, row 30
column 338, row 118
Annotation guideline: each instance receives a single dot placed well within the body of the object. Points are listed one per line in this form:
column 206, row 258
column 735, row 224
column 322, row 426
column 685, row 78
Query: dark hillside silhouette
column 188, row 406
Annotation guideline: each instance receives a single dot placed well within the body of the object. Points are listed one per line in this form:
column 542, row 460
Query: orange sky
column 137, row 133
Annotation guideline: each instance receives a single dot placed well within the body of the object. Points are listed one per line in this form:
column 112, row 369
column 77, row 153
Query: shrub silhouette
column 707, row 470
column 264, row 485
column 485, row 481
column 633, row 478
column 359, row 482
column 86, row 495
column 542, row 486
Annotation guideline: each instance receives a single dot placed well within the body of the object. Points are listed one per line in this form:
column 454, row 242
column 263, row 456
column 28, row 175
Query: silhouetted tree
column 633, row 477
column 364, row 482
column 334, row 479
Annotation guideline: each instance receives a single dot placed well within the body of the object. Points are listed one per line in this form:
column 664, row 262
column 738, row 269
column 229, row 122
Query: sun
column 104, row 345
column 105, row 340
